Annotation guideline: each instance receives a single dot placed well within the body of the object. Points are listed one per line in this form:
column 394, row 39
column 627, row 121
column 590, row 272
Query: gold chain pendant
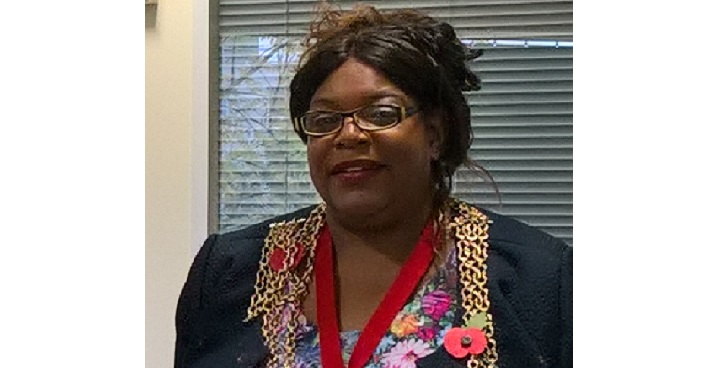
column 470, row 228
column 286, row 269
column 280, row 290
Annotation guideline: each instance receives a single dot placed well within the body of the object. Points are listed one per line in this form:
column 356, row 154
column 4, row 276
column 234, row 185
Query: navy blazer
column 529, row 281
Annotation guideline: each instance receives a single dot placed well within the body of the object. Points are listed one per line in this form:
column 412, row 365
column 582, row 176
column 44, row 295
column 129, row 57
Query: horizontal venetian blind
column 522, row 116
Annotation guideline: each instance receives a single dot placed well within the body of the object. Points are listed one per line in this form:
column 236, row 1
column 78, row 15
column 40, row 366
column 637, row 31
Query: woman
column 389, row 271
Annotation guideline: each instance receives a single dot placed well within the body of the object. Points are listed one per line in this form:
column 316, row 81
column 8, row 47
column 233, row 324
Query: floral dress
column 417, row 331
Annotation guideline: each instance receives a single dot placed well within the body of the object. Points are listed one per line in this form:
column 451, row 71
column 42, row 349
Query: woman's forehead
column 355, row 82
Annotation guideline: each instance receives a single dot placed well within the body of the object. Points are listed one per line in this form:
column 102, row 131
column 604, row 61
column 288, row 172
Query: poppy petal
column 479, row 340
column 277, row 260
column 453, row 342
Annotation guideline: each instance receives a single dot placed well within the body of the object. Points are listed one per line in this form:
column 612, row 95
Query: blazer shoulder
column 235, row 255
column 210, row 318
column 508, row 233
column 260, row 230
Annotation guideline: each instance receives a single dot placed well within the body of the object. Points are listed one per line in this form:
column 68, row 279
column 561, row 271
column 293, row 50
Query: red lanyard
column 410, row 275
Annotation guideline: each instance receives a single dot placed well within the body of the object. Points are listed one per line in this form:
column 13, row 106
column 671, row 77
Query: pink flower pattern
column 426, row 333
column 405, row 353
column 436, row 304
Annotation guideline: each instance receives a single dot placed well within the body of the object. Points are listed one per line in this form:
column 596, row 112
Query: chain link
column 278, row 294
column 470, row 227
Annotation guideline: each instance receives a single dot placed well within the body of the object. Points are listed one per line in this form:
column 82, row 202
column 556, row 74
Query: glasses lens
column 321, row 122
column 379, row 116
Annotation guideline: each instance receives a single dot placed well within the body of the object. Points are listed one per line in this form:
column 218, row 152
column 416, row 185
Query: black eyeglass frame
column 405, row 112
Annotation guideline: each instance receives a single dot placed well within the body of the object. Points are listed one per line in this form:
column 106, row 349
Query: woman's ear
column 435, row 150
column 436, row 134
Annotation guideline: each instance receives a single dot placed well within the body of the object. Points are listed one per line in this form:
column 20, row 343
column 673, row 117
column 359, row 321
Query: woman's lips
column 356, row 171
column 356, row 176
column 355, row 165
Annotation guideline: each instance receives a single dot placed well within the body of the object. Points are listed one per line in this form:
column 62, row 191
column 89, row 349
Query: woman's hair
column 417, row 53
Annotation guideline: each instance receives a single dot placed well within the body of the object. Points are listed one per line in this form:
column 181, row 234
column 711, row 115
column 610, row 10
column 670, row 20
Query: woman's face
column 362, row 173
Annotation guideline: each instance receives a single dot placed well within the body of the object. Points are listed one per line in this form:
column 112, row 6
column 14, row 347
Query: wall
column 176, row 159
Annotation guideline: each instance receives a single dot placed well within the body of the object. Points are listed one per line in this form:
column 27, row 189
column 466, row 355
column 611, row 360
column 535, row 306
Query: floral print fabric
column 417, row 331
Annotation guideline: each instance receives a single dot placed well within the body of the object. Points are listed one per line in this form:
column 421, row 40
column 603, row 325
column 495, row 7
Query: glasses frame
column 405, row 112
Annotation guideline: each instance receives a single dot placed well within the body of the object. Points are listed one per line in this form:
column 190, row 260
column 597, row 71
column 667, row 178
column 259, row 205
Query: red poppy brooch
column 277, row 259
column 470, row 339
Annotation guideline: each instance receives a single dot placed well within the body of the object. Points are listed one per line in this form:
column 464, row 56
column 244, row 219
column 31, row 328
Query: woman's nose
column 350, row 133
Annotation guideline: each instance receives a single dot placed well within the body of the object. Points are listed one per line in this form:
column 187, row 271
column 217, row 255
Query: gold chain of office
column 280, row 292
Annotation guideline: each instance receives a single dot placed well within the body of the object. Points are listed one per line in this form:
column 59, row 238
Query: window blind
column 521, row 117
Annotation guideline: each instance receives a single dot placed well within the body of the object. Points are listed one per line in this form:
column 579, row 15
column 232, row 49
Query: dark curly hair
column 417, row 53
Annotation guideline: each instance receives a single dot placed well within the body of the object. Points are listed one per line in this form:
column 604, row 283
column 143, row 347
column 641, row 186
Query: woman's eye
column 323, row 119
column 381, row 116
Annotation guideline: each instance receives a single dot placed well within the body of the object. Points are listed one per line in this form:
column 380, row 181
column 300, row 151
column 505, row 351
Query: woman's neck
column 388, row 235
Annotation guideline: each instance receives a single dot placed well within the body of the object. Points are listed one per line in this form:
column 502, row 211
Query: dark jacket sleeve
column 566, row 311
column 210, row 326
column 186, row 317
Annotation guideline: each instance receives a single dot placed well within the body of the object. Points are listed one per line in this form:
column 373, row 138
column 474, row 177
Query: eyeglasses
column 318, row 123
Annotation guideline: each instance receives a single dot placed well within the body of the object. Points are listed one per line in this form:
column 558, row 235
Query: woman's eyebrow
column 367, row 97
column 384, row 93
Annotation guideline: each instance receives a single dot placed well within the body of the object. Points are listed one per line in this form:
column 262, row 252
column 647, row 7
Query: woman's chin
column 357, row 204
